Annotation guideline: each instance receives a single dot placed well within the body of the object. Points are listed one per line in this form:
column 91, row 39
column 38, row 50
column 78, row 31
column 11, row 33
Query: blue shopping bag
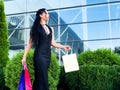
column 21, row 85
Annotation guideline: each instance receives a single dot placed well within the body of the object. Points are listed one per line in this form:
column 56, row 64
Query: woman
column 42, row 36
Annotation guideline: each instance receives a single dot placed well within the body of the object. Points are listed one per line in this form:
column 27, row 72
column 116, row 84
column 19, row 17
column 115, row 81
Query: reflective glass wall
column 83, row 24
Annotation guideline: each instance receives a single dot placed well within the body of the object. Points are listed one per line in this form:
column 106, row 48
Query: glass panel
column 31, row 18
column 29, row 5
column 69, row 3
column 97, row 13
column 17, row 40
column 93, row 45
column 115, row 27
column 77, row 29
column 70, row 15
column 98, row 30
column 53, row 20
column 114, row 0
column 115, row 43
column 68, row 32
column 16, row 21
column 15, row 6
column 95, row 1
column 116, row 9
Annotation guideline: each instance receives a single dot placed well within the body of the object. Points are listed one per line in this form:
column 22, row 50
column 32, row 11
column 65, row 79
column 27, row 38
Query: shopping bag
column 21, row 85
column 25, row 83
column 28, row 85
column 70, row 62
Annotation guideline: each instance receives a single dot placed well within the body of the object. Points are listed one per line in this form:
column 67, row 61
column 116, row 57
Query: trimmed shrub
column 99, row 57
column 4, row 45
column 62, row 85
column 99, row 70
column 14, row 67
column 1, row 79
column 95, row 77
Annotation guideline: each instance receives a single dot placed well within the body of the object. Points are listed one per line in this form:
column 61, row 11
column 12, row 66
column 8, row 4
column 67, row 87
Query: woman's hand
column 67, row 47
column 23, row 61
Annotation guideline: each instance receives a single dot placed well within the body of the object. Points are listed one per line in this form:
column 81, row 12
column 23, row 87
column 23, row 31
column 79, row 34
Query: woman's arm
column 27, row 48
column 57, row 45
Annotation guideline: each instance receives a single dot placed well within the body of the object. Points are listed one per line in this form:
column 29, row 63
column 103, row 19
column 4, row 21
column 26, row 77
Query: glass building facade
column 82, row 24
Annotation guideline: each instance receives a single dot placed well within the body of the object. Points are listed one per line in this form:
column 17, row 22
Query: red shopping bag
column 28, row 84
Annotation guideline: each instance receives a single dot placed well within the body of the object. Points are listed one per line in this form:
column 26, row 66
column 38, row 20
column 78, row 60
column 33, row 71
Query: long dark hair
column 34, row 30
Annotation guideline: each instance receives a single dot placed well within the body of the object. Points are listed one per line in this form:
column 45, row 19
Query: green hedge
column 99, row 70
column 99, row 57
column 95, row 77
column 14, row 67
column 62, row 85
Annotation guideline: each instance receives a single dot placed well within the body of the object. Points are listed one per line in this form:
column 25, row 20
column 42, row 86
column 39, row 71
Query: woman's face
column 45, row 15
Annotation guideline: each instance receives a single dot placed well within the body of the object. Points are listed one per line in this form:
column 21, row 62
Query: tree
column 4, row 44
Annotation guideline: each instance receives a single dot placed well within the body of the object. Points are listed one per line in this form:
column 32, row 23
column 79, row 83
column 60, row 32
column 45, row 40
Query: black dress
column 41, row 59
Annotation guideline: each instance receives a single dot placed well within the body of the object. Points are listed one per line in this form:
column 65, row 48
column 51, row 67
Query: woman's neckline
column 45, row 27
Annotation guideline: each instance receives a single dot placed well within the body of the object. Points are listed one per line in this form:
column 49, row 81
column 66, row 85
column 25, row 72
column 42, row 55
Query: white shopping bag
column 70, row 62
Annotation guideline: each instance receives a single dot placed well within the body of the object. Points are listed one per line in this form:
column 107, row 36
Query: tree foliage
column 4, row 44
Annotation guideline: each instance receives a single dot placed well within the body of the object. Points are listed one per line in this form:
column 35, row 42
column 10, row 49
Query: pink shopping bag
column 28, row 84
